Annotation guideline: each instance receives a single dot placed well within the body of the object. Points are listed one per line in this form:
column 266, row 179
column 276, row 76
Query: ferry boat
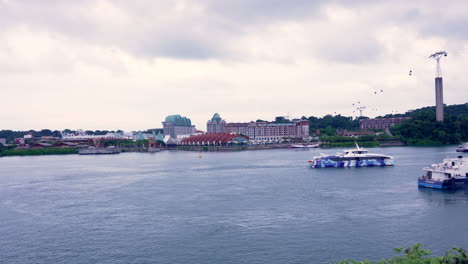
column 358, row 157
column 463, row 147
column 450, row 174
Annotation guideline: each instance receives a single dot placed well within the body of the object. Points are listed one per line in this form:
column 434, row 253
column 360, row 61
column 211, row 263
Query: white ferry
column 358, row 157
column 450, row 174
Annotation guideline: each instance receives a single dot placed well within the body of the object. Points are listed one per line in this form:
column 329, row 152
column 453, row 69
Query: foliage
column 329, row 124
column 423, row 129
column 417, row 255
column 124, row 142
column 450, row 110
column 153, row 130
column 35, row 152
column 349, row 144
column 281, row 120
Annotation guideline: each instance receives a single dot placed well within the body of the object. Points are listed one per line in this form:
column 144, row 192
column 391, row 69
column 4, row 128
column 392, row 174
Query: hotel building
column 269, row 131
column 215, row 124
column 176, row 125
column 380, row 123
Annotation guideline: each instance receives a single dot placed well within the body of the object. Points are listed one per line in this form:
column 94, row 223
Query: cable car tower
column 439, row 86
column 360, row 109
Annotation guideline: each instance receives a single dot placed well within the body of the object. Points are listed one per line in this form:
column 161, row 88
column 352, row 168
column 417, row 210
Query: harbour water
column 230, row 207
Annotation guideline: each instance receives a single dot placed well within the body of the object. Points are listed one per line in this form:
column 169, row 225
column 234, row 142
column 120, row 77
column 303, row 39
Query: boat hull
column 443, row 185
column 305, row 146
column 328, row 163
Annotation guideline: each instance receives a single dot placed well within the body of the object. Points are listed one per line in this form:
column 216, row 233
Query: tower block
column 439, row 93
column 439, row 87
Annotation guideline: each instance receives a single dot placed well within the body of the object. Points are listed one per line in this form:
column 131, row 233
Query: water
column 233, row 207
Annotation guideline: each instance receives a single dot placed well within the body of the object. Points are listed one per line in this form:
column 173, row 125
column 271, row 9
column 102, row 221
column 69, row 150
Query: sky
column 128, row 64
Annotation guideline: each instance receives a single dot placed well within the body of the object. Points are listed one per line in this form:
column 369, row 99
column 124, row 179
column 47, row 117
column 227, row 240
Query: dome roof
column 178, row 120
column 216, row 118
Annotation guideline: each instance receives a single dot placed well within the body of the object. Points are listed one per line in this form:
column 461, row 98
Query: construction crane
column 437, row 57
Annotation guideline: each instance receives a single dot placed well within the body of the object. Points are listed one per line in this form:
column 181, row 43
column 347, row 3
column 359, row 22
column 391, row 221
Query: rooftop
column 178, row 120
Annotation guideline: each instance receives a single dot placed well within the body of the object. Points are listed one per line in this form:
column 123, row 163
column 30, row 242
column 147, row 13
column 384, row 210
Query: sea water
column 261, row 206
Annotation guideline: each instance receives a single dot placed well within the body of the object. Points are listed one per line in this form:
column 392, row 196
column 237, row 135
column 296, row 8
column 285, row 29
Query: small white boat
column 315, row 145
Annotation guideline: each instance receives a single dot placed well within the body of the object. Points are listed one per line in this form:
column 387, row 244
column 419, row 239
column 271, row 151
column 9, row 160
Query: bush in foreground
column 418, row 255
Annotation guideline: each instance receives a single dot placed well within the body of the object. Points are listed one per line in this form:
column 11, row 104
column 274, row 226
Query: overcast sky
column 128, row 64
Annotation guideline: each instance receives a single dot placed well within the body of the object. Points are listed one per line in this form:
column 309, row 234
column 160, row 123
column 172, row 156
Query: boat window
column 453, row 163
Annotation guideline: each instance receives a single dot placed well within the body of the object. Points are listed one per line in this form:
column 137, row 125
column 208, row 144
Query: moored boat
column 316, row 145
column 448, row 175
column 463, row 147
column 99, row 151
column 358, row 157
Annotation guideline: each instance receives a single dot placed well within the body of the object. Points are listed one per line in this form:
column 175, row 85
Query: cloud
column 126, row 65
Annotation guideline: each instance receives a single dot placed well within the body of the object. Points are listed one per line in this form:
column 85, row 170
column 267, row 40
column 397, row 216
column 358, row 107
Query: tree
column 417, row 255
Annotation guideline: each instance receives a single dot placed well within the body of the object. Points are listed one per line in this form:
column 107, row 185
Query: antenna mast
column 437, row 57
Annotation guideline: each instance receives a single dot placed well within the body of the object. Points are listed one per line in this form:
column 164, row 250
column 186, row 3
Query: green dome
column 216, row 118
column 178, row 120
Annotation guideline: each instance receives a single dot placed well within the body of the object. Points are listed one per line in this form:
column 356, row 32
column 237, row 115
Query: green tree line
column 423, row 129
column 418, row 255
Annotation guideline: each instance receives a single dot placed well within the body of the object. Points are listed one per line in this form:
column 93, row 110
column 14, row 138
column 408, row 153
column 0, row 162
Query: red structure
column 214, row 139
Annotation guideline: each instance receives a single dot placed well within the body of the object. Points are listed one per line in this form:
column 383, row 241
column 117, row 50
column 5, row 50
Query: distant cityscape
column 178, row 130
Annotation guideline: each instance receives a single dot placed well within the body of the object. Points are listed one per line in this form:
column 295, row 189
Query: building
column 270, row 131
column 346, row 133
column 214, row 139
column 439, row 93
column 176, row 125
column 3, row 141
column 80, row 135
column 236, row 128
column 380, row 123
column 215, row 124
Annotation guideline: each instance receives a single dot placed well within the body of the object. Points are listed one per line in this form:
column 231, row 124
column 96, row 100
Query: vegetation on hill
column 423, row 129
column 363, row 141
column 449, row 110
column 328, row 124
column 417, row 255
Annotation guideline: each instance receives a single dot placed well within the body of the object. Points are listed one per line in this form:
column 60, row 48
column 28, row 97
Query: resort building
column 346, row 133
column 176, row 125
column 270, row 131
column 236, row 128
column 380, row 123
column 215, row 124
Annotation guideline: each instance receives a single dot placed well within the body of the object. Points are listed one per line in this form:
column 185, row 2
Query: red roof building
column 212, row 139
